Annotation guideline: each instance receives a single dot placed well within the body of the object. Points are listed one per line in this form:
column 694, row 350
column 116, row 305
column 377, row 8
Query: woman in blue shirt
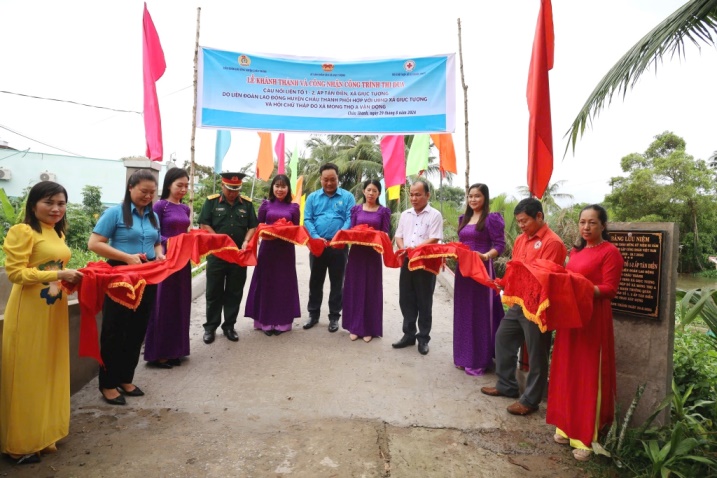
column 126, row 234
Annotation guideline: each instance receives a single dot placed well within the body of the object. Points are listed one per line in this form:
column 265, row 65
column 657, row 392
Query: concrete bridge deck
column 307, row 404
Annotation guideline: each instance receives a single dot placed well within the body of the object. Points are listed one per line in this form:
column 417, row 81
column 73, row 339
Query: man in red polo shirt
column 536, row 242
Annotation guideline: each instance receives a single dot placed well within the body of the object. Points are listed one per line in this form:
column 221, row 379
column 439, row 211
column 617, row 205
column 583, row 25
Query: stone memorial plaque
column 639, row 292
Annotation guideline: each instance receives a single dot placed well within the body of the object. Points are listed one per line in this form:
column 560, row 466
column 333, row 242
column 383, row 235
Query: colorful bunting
column 280, row 154
column 224, row 140
column 265, row 160
column 418, row 155
column 446, row 153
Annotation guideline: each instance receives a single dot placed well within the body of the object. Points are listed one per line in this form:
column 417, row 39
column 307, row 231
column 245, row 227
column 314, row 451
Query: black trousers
column 415, row 296
column 513, row 330
column 121, row 338
column 333, row 260
column 225, row 288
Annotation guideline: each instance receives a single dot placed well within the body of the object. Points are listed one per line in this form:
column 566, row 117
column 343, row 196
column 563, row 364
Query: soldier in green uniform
column 234, row 215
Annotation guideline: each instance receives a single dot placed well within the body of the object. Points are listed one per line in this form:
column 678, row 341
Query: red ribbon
column 551, row 296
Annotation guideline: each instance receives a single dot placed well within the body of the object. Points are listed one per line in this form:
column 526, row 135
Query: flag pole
column 465, row 106
column 194, row 123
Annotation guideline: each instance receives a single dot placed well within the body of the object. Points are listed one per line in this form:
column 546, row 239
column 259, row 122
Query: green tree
column 12, row 211
column 695, row 21
column 451, row 194
column 92, row 202
column 505, row 206
column 666, row 184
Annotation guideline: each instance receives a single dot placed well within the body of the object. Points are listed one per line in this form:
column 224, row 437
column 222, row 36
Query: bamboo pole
column 194, row 122
column 465, row 106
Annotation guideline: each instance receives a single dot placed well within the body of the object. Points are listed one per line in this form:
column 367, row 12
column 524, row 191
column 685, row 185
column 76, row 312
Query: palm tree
column 358, row 158
column 549, row 196
column 695, row 21
column 712, row 163
column 505, row 206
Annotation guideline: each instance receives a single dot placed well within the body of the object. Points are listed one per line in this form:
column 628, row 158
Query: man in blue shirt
column 326, row 212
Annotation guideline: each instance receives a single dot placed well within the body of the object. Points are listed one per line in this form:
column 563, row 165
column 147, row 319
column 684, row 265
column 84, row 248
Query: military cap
column 232, row 181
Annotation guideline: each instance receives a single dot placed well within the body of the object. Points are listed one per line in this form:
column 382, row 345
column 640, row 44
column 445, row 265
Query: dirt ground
column 307, row 404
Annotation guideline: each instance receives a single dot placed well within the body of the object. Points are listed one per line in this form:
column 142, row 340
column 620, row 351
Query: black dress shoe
column 278, row 332
column 135, row 392
column 231, row 334
column 158, row 364
column 118, row 400
column 268, row 333
column 311, row 322
column 209, row 337
column 422, row 349
column 405, row 341
column 333, row 325
column 174, row 362
column 29, row 459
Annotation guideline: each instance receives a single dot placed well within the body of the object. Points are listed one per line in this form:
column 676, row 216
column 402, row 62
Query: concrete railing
column 82, row 369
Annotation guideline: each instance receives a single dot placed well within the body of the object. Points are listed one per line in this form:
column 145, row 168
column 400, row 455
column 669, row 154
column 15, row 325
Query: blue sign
column 272, row 93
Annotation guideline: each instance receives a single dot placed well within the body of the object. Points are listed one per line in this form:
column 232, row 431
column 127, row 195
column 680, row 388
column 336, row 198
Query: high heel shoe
column 367, row 338
column 158, row 364
column 353, row 337
column 135, row 392
column 118, row 400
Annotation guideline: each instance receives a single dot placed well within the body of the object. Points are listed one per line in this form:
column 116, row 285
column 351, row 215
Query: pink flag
column 280, row 153
column 153, row 69
column 393, row 152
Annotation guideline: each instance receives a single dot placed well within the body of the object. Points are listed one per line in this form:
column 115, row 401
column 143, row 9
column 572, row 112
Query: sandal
column 581, row 454
column 561, row 440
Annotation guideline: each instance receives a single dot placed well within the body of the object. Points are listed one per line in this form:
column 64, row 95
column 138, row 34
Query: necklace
column 594, row 245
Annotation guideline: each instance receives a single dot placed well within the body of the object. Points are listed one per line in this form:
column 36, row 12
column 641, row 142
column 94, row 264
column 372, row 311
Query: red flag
column 153, row 69
column 540, row 131
column 280, row 153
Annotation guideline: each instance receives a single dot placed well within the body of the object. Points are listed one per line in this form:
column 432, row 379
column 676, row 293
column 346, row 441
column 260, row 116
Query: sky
column 91, row 52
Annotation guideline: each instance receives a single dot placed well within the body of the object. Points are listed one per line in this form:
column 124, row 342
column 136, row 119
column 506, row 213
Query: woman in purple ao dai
column 273, row 298
column 167, row 337
column 477, row 309
column 363, row 285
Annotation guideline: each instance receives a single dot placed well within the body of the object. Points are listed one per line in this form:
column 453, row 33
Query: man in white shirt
column 417, row 226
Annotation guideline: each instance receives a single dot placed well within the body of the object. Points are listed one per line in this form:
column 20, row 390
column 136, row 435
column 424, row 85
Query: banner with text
column 282, row 93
